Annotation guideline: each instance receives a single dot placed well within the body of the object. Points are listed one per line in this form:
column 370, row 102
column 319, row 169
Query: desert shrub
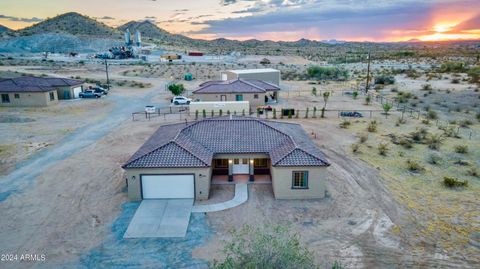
column 406, row 143
column 355, row 95
column 473, row 172
column 384, row 80
column 462, row 149
column 453, row 182
column 434, row 141
column 465, row 123
column 414, row 166
column 426, row 87
column 372, row 126
column 455, row 81
column 432, row 115
column 383, row 149
column 325, row 73
column 265, row 247
column 363, row 138
column 426, row 121
column 400, row 121
column 452, row 66
column 419, row 135
column 196, row 114
column 345, row 124
column 355, row 148
column 434, row 159
column 449, row 131
column 462, row 162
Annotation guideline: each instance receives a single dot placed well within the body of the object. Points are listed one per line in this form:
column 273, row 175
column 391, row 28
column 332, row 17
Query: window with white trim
column 300, row 180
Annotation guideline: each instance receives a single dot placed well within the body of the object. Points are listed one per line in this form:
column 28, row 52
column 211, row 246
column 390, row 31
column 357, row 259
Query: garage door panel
column 167, row 186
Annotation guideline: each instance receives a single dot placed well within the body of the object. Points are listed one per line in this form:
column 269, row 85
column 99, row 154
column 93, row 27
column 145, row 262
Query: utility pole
column 106, row 71
column 368, row 74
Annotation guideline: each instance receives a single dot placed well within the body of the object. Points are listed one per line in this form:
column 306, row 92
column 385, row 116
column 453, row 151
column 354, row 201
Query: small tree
column 355, row 95
column 306, row 113
column 265, row 247
column 243, row 112
column 289, row 113
column 297, row 114
column 274, row 113
column 213, row 113
column 176, row 89
column 326, row 95
column 314, row 112
column 314, row 91
column 368, row 100
column 196, row 114
column 228, row 112
column 220, row 112
column 387, row 107
column 204, row 113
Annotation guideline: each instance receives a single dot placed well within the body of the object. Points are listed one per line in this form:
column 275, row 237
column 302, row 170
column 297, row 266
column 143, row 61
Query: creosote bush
column 462, row 149
column 345, row 124
column 372, row 126
column 434, row 141
column 434, row 159
column 414, row 166
column 355, row 148
column 453, row 182
column 363, row 138
column 383, row 149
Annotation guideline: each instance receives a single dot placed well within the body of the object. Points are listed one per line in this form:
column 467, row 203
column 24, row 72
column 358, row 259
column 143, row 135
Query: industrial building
column 267, row 74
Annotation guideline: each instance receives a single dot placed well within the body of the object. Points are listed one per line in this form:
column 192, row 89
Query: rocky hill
column 152, row 32
column 4, row 29
column 71, row 23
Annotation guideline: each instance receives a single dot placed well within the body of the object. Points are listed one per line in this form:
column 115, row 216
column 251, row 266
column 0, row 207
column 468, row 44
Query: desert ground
column 63, row 192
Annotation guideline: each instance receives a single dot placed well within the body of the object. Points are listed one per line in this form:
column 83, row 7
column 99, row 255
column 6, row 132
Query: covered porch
column 231, row 169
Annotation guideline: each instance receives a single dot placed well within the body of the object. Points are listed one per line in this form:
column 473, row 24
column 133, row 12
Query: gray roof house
column 225, row 148
column 257, row 92
column 37, row 91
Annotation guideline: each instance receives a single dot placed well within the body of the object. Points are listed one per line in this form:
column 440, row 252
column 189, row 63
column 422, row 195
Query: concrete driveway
column 160, row 218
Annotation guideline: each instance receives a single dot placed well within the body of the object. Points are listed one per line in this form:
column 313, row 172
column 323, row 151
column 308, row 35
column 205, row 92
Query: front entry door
column 240, row 166
column 223, row 98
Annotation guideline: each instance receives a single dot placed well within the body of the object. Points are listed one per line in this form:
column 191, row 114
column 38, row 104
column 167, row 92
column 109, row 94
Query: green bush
column 384, row 80
column 355, row 148
column 473, row 172
column 327, row 73
column 434, row 141
column 432, row 115
column 363, row 138
column 386, row 107
column 265, row 247
column 462, row 149
column 176, row 89
column 453, row 182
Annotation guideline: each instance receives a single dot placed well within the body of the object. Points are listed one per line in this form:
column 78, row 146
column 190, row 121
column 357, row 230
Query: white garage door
column 76, row 92
column 167, row 186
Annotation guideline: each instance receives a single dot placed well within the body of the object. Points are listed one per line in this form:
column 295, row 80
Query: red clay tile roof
column 195, row 144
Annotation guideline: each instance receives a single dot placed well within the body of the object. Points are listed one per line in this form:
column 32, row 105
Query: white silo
column 138, row 38
column 128, row 38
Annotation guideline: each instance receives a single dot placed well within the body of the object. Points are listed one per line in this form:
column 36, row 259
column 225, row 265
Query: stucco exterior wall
column 282, row 183
column 250, row 97
column 202, row 178
column 30, row 99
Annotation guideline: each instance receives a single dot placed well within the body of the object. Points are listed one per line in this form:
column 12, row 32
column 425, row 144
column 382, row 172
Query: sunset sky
column 364, row 20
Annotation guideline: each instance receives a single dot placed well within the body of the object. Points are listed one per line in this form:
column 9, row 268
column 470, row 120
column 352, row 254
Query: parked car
column 100, row 90
column 150, row 109
column 353, row 114
column 180, row 100
column 90, row 94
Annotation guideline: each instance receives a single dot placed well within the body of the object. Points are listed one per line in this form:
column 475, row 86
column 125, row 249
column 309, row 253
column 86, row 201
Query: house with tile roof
column 182, row 160
column 256, row 92
column 37, row 91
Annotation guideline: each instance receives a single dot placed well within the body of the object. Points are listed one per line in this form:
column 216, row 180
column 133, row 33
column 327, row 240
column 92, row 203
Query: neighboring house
column 257, row 92
column 266, row 74
column 181, row 160
column 37, row 91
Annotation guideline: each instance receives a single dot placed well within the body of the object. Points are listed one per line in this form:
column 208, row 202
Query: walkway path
column 241, row 196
